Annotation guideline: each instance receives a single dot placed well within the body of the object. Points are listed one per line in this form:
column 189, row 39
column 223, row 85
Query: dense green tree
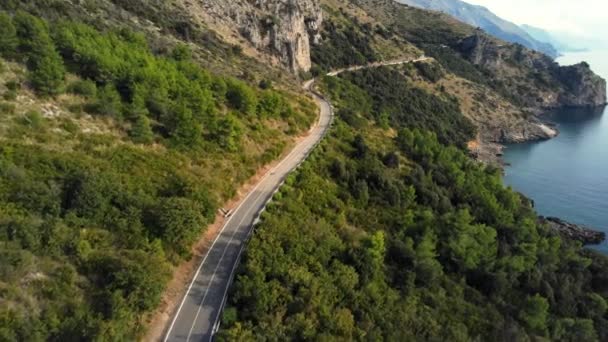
column 48, row 73
column 86, row 88
column 8, row 37
column 46, row 67
column 180, row 221
column 535, row 313
column 184, row 129
column 228, row 133
column 141, row 132
column 108, row 102
column 241, row 97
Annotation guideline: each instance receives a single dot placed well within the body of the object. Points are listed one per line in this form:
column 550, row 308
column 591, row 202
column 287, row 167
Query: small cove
column 567, row 176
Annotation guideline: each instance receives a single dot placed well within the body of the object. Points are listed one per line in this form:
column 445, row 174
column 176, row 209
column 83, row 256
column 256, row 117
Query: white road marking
column 308, row 149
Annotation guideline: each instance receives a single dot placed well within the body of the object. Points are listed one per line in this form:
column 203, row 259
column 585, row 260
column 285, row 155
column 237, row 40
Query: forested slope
column 388, row 233
column 113, row 160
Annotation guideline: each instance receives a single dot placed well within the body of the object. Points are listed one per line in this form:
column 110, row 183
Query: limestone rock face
column 582, row 85
column 285, row 29
column 537, row 80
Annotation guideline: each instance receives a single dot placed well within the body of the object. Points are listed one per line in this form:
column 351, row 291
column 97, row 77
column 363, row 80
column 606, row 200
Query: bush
column 33, row 119
column 107, row 102
column 241, row 97
column 227, row 133
column 430, row 71
column 265, row 84
column 8, row 37
column 86, row 88
column 47, row 74
column 271, row 105
column 10, row 95
column 7, row 108
column 141, row 132
column 179, row 223
column 44, row 63
column 13, row 85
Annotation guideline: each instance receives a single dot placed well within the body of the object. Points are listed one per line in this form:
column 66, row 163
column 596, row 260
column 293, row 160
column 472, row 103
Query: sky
column 586, row 18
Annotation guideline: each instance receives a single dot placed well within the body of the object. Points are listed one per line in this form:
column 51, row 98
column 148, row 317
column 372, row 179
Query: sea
column 567, row 176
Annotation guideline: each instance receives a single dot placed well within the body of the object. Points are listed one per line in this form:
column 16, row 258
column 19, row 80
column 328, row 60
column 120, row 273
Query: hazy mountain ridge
column 563, row 42
column 482, row 17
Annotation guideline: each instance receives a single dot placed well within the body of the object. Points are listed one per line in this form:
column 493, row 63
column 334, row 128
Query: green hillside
column 390, row 231
column 113, row 160
column 126, row 125
column 399, row 237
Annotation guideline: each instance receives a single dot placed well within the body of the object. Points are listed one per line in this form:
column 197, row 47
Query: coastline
column 492, row 153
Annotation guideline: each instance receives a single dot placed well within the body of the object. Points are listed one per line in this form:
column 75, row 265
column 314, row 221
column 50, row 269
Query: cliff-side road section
column 197, row 317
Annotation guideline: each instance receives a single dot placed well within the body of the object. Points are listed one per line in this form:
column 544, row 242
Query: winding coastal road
column 197, row 317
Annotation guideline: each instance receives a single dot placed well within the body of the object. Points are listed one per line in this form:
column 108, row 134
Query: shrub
column 430, row 71
column 33, row 119
column 8, row 37
column 86, row 88
column 107, row 102
column 265, row 84
column 44, row 63
column 7, row 108
column 179, row 222
column 10, row 95
column 241, row 97
column 141, row 132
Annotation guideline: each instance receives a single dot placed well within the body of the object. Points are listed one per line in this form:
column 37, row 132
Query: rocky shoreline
column 573, row 231
column 490, row 148
column 493, row 152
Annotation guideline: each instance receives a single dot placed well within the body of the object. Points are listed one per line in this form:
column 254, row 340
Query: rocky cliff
column 582, row 85
column 534, row 80
column 281, row 29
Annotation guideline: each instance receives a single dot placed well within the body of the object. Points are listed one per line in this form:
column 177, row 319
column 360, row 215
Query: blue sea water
column 567, row 176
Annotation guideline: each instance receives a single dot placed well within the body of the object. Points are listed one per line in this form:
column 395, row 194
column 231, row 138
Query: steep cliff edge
column 281, row 29
column 534, row 80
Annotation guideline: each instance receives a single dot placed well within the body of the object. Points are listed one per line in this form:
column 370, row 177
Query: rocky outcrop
column 532, row 130
column 573, row 231
column 284, row 29
column 533, row 79
column 582, row 85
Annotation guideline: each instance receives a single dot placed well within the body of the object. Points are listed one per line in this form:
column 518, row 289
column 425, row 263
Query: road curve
column 199, row 312
column 197, row 317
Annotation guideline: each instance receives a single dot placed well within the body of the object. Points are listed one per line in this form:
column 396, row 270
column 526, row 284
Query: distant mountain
column 563, row 42
column 482, row 17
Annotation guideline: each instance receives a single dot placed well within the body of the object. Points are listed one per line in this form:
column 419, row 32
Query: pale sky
column 587, row 18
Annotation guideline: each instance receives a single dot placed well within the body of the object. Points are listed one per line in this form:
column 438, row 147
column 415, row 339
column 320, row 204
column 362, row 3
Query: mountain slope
column 115, row 156
column 126, row 124
column 390, row 232
column 480, row 16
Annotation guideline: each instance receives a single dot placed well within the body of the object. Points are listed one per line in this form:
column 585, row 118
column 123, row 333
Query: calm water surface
column 567, row 176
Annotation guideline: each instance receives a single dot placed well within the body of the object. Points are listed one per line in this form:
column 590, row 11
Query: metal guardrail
column 256, row 220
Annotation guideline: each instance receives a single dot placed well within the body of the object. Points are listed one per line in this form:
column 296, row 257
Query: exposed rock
column 582, row 85
column 523, row 131
column 537, row 80
column 572, row 231
column 282, row 28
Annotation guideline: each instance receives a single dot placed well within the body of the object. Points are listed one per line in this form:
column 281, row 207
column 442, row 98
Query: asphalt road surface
column 197, row 316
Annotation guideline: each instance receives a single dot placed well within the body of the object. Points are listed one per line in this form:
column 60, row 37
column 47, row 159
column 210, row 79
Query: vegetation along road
column 197, row 316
